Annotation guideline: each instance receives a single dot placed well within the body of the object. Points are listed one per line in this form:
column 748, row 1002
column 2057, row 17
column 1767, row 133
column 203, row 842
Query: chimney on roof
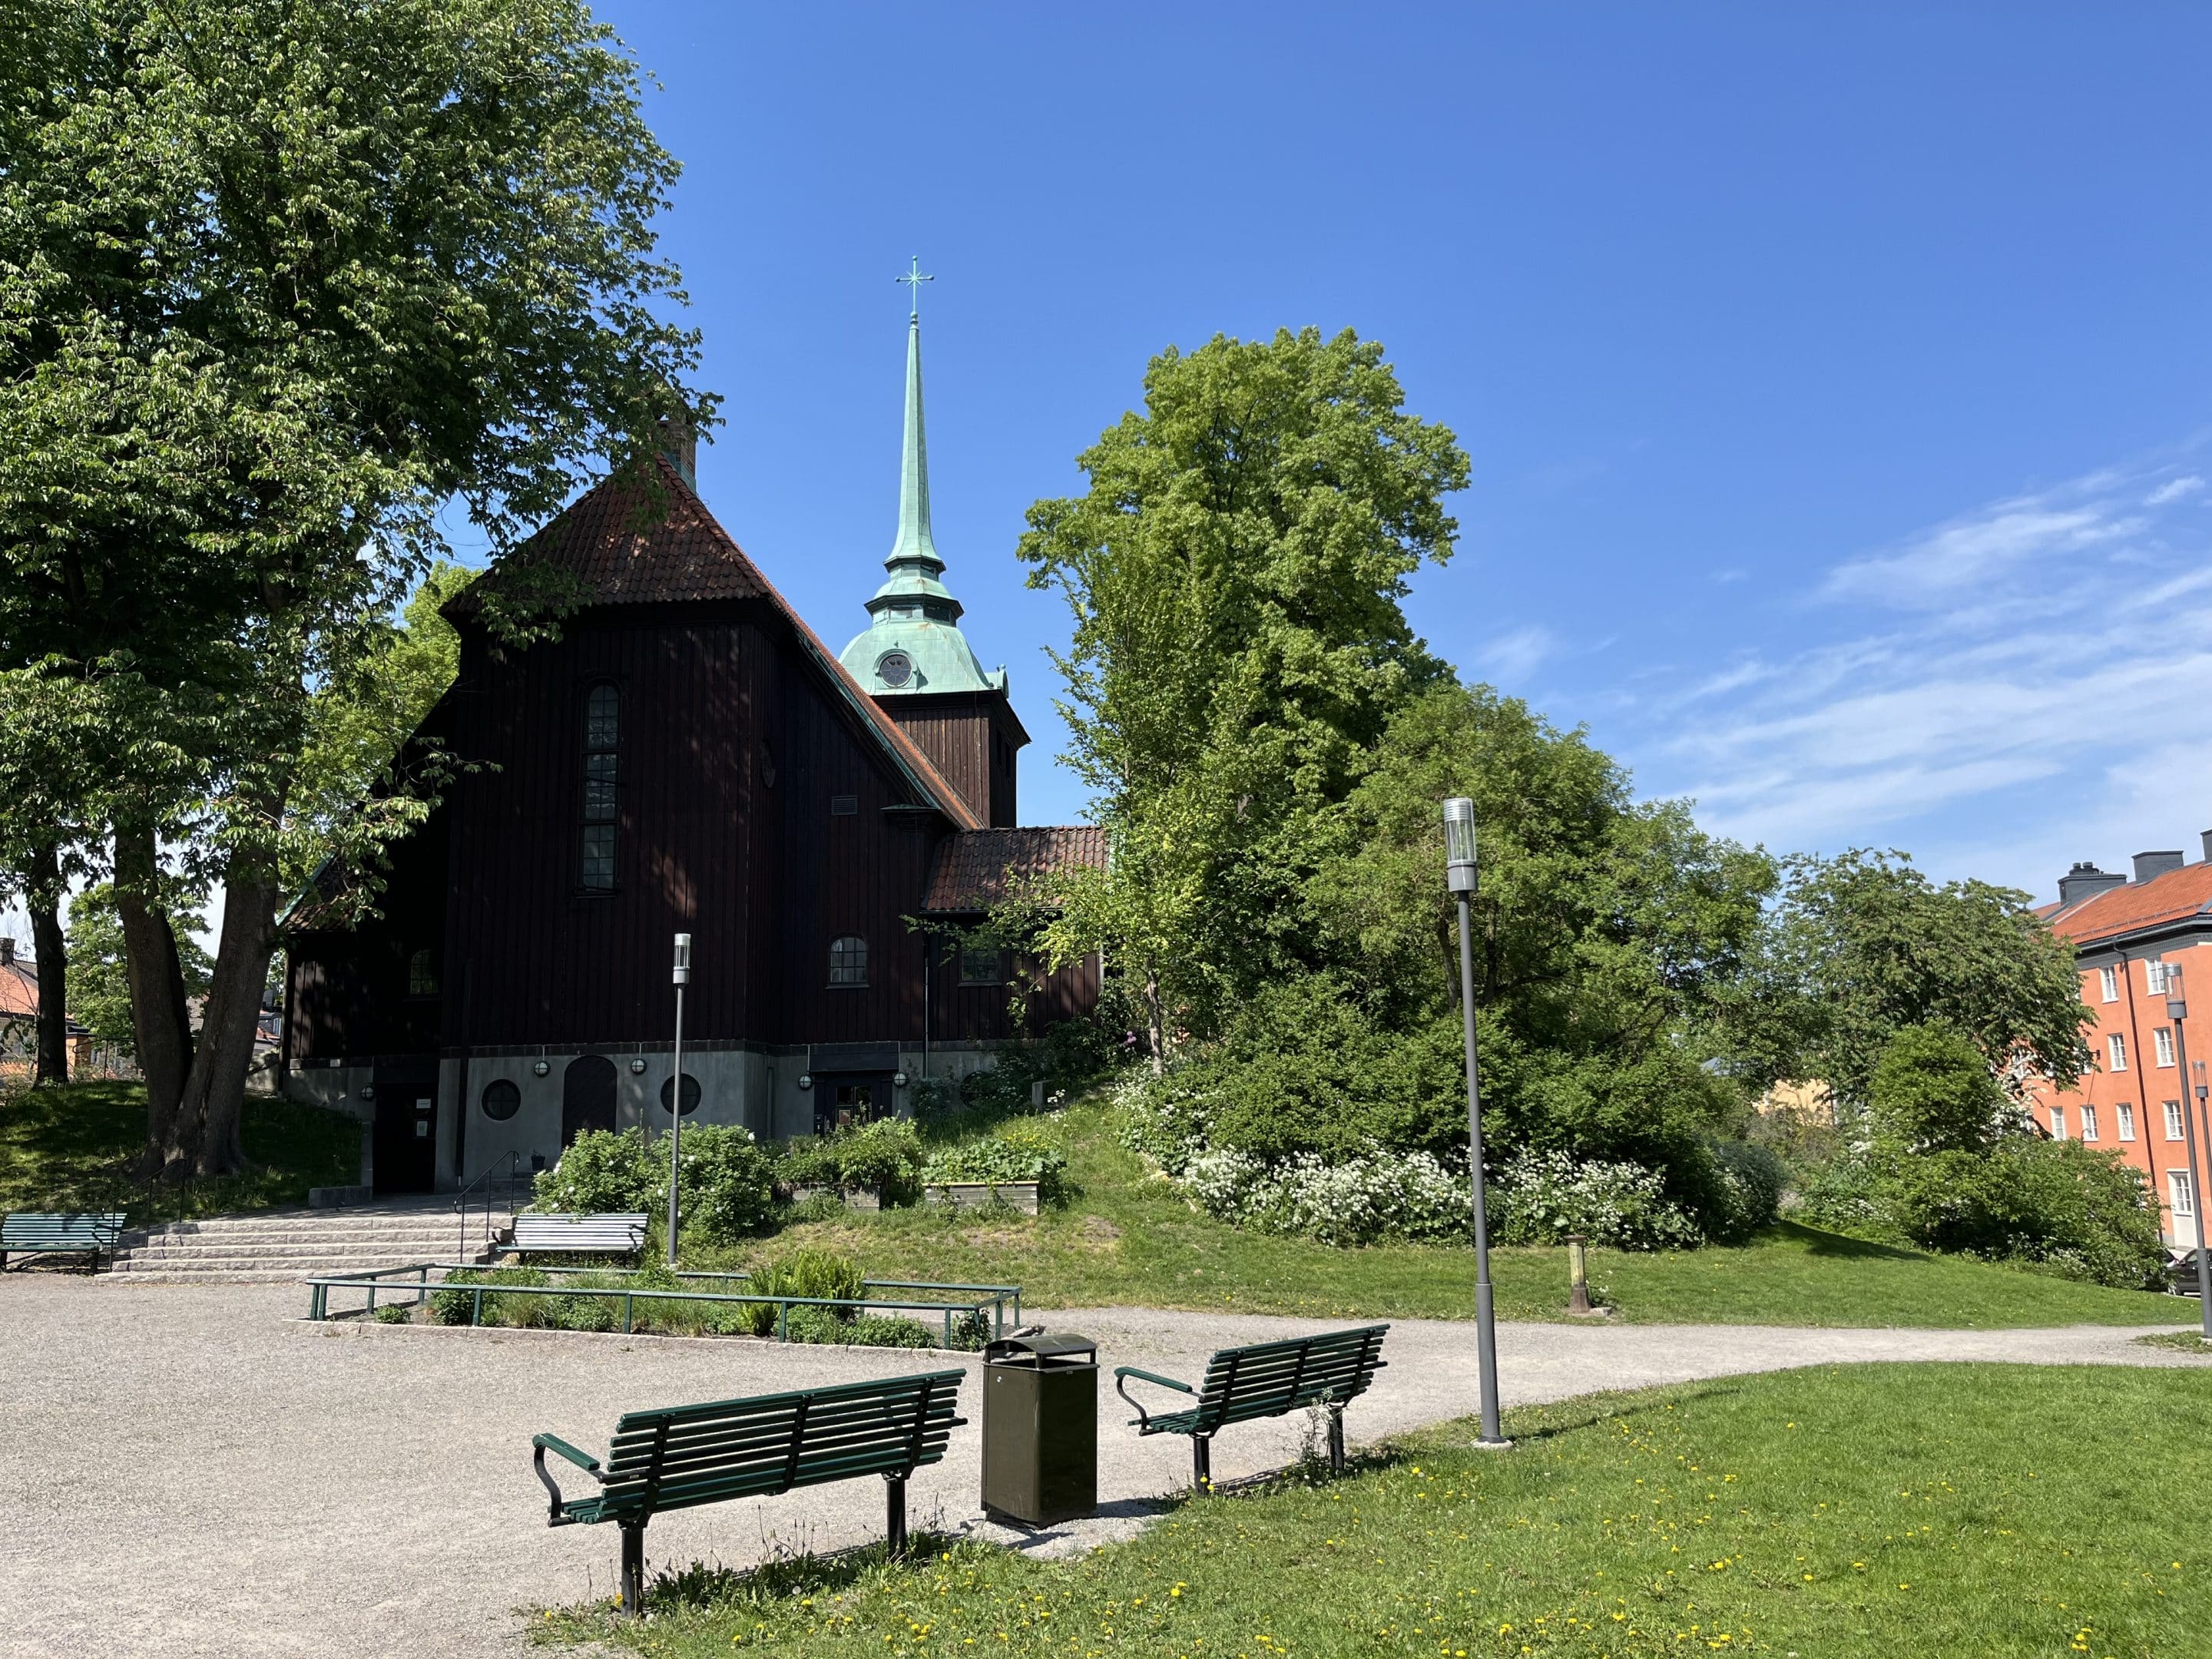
column 2207, row 839
column 2151, row 865
column 7, row 952
column 2086, row 880
column 678, row 441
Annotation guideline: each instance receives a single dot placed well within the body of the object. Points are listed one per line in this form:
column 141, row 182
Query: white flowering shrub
column 1541, row 1198
column 1357, row 1201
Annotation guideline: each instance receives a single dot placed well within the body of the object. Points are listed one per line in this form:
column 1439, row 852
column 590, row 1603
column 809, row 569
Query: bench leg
column 1336, row 1440
column 633, row 1567
column 1201, row 1463
column 895, row 1514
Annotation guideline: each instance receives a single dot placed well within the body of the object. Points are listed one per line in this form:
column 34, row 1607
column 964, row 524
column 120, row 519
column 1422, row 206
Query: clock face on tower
column 895, row 668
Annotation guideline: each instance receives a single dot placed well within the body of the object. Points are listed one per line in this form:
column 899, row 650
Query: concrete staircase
column 286, row 1245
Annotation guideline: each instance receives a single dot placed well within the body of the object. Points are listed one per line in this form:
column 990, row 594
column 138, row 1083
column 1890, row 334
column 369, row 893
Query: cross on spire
column 914, row 279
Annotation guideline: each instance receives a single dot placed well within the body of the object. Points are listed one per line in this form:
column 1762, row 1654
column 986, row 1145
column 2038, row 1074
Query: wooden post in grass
column 1578, row 1300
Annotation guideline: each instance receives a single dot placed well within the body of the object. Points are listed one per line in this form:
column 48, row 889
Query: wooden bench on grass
column 1267, row 1379
column 685, row 1456
column 27, row 1232
column 578, row 1235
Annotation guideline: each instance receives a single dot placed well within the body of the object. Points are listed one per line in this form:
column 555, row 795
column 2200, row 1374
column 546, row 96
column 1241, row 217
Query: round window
column 895, row 668
column 690, row 1093
column 502, row 1099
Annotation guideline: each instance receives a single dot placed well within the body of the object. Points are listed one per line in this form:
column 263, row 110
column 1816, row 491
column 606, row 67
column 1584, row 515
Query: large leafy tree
column 1864, row 946
column 278, row 279
column 1235, row 570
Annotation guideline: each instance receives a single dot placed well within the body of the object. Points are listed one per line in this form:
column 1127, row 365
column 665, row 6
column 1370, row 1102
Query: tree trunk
column 1156, row 1025
column 204, row 1139
column 159, row 1018
column 44, row 903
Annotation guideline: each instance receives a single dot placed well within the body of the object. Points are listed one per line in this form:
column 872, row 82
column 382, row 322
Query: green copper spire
column 913, row 642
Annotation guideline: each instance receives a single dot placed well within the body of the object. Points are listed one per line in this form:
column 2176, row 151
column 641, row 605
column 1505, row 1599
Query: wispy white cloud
column 1511, row 657
column 2029, row 678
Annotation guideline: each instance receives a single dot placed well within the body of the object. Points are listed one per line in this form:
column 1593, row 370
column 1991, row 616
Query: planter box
column 975, row 1195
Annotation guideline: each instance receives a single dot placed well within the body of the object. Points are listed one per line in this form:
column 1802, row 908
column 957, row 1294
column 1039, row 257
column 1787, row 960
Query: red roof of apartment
column 18, row 990
column 2174, row 896
column 977, row 868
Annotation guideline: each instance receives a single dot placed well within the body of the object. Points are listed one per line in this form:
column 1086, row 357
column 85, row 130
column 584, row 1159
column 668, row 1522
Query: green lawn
column 74, row 1149
column 1908, row 1512
column 1127, row 1237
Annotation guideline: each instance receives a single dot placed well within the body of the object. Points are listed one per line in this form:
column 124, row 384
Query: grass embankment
column 1910, row 1511
column 1125, row 1237
column 75, row 1148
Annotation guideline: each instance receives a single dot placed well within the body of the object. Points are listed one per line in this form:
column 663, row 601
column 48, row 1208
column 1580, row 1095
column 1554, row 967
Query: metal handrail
column 513, row 1161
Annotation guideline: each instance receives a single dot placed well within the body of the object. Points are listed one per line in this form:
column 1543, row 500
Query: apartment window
column 849, row 960
column 2173, row 1120
column 2176, row 1188
column 2116, row 1051
column 2124, row 1117
column 602, row 739
column 2088, row 1123
column 2058, row 1123
column 2161, row 1043
column 422, row 975
column 2154, row 978
column 982, row 967
column 2108, row 981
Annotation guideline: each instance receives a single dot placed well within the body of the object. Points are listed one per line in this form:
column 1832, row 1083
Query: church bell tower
column 913, row 659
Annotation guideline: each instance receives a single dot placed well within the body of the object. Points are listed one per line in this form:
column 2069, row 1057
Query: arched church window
column 601, row 741
column 422, row 975
column 849, row 960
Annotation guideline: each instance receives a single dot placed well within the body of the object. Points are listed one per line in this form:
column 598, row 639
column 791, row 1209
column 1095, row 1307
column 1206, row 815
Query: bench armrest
column 542, row 1444
column 1121, row 1376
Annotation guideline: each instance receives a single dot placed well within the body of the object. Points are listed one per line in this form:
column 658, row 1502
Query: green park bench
column 27, row 1232
column 1267, row 1379
column 684, row 1455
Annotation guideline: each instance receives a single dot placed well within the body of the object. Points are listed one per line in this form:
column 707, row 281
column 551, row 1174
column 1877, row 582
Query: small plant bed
column 2188, row 1342
column 809, row 1296
column 1121, row 1236
column 77, row 1148
column 1891, row 1510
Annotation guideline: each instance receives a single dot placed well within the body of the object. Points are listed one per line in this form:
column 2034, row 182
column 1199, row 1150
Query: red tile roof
column 19, row 991
column 2174, row 896
column 635, row 540
column 978, row 867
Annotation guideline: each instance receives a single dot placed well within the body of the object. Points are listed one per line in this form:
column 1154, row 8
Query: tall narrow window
column 2161, row 1040
column 602, row 740
column 2173, row 1131
column 2154, row 978
column 2058, row 1123
column 2125, row 1113
column 2116, row 1051
column 422, row 975
column 2177, row 1187
column 849, row 961
column 2088, row 1123
column 2108, row 982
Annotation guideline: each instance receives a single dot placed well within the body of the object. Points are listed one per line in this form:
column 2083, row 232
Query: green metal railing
column 414, row 1283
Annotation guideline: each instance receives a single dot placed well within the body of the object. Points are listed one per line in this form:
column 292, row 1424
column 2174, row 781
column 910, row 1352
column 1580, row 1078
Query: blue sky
column 1835, row 378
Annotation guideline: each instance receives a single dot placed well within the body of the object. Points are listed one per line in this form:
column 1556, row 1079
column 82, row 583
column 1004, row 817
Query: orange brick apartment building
column 2126, row 935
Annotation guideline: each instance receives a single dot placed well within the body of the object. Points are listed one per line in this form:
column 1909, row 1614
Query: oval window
column 502, row 1099
column 895, row 668
column 690, row 1093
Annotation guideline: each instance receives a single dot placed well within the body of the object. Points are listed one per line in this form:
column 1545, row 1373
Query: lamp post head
column 1459, row 845
column 2176, row 1008
column 682, row 959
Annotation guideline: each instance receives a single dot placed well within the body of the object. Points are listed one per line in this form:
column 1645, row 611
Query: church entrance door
column 587, row 1097
column 844, row 1100
column 404, row 1136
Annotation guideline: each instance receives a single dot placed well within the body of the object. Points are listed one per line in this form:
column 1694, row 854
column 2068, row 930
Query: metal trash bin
column 1040, row 1428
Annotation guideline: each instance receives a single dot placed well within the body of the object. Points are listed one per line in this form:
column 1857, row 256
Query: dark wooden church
column 687, row 756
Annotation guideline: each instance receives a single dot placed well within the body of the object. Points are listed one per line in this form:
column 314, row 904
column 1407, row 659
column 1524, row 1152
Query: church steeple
column 913, row 642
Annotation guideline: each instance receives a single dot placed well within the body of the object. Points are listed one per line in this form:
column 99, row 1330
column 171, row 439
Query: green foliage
column 884, row 1158
column 454, row 1302
column 99, row 981
column 604, row 1172
column 1863, row 946
column 729, row 1183
column 395, row 1314
column 1018, row 1152
column 810, row 1273
column 1932, row 1092
column 1235, row 572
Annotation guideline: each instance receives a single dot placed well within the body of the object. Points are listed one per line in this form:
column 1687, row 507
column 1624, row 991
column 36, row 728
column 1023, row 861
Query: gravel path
column 195, row 1470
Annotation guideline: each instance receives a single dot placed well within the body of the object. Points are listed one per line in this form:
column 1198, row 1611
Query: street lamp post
column 683, row 977
column 2177, row 1010
column 1459, row 880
